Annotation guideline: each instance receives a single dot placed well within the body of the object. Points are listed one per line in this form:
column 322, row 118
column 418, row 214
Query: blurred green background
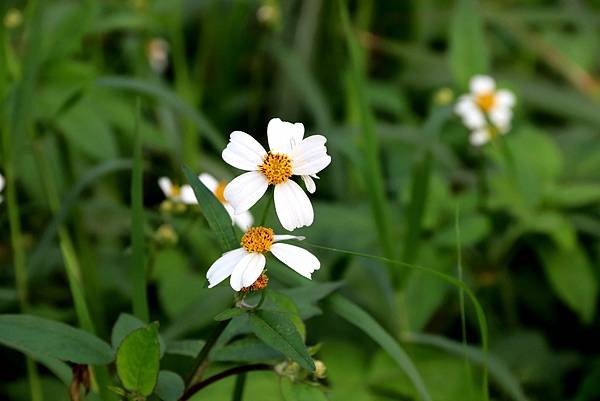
column 404, row 181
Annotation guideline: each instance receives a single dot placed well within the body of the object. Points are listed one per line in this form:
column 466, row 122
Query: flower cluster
column 290, row 154
column 486, row 111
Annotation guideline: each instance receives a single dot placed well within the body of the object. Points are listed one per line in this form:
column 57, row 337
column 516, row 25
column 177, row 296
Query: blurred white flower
column 157, row 51
column 178, row 194
column 2, row 183
column 486, row 111
column 243, row 220
column 290, row 154
column 245, row 265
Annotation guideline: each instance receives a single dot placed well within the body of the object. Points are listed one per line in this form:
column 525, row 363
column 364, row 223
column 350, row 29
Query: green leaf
column 45, row 338
column 229, row 314
column 138, row 360
column 300, row 391
column 189, row 348
column 573, row 280
column 574, row 195
column 169, row 386
column 216, row 215
column 278, row 331
column 249, row 349
column 468, row 53
column 358, row 317
column 126, row 324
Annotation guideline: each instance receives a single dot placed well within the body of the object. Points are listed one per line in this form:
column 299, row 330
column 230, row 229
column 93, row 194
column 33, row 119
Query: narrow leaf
column 278, row 331
column 216, row 215
column 40, row 337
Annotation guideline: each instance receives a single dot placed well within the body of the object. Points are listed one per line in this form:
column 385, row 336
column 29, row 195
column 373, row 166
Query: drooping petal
column 248, row 268
column 187, row 195
column 243, row 152
column 311, row 187
column 482, row 84
column 299, row 259
column 480, row 137
column 243, row 220
column 292, row 206
column 166, row 186
column 223, row 267
column 501, row 117
column 285, row 237
column 505, row 98
column 245, row 190
column 209, row 181
column 310, row 156
column 283, row 135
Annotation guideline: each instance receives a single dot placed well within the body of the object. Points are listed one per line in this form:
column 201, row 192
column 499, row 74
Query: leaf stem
column 192, row 390
column 202, row 358
column 238, row 390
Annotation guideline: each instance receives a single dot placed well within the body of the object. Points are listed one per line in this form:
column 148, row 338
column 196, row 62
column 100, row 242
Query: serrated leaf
column 169, row 386
column 300, row 391
column 468, row 54
column 229, row 314
column 46, row 338
column 278, row 331
column 138, row 360
column 216, row 215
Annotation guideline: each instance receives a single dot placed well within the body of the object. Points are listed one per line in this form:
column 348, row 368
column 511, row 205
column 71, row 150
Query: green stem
column 481, row 319
column 266, row 210
column 238, row 390
column 202, row 358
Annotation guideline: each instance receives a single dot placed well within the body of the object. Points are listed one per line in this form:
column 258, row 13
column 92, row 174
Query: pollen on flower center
column 257, row 239
column 220, row 191
column 486, row 101
column 276, row 167
column 175, row 190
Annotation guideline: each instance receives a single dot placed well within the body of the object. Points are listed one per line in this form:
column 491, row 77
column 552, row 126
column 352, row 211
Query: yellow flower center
column 486, row 101
column 261, row 283
column 276, row 167
column 175, row 191
column 257, row 239
column 220, row 191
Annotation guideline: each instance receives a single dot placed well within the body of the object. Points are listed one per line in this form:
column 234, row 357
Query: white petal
column 244, row 191
column 299, row 259
column 311, row 187
column 501, row 117
column 474, row 119
column 464, row 104
column 187, row 195
column 283, row 136
column 310, row 156
column 2, row 182
column 223, row 267
column 166, row 186
column 209, row 181
column 480, row 137
column 292, row 206
column 243, row 152
column 247, row 270
column 505, row 98
column 481, row 84
column 243, row 220
column 285, row 237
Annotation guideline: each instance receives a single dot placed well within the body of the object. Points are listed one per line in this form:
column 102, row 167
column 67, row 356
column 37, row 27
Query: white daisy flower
column 486, row 111
column 2, row 183
column 178, row 194
column 243, row 220
column 245, row 265
column 290, row 154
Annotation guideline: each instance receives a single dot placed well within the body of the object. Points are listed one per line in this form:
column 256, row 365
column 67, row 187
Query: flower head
column 290, row 154
column 243, row 220
column 486, row 111
column 245, row 265
column 178, row 194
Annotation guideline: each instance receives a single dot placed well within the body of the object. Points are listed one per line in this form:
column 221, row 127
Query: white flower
column 245, row 265
column 2, row 182
column 178, row 194
column 290, row 154
column 157, row 51
column 486, row 111
column 243, row 220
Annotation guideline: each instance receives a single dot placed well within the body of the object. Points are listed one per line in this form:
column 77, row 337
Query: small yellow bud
column 443, row 96
column 166, row 235
column 13, row 18
column 320, row 370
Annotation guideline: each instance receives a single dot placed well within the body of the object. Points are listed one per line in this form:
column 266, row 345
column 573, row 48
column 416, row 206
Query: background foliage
column 82, row 229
